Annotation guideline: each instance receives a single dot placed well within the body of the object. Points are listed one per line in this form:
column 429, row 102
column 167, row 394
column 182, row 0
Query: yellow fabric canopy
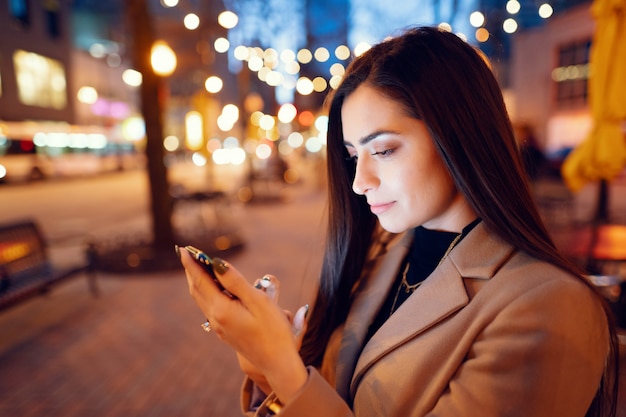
column 602, row 155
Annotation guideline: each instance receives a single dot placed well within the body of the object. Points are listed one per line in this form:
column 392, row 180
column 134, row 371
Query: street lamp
column 162, row 59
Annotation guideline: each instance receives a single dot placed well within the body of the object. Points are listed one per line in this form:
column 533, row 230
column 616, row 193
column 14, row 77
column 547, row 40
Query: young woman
column 441, row 292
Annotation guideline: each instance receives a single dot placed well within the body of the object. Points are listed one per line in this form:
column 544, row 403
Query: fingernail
column 220, row 266
column 266, row 281
column 299, row 319
column 177, row 249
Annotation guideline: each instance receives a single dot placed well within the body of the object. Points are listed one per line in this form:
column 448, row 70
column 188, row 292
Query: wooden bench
column 25, row 267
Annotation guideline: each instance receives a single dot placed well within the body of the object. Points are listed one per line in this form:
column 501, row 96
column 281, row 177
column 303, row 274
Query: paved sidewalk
column 138, row 349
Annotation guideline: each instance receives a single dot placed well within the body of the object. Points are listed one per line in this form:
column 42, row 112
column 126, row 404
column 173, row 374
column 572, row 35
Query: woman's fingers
column 252, row 323
column 270, row 285
column 298, row 324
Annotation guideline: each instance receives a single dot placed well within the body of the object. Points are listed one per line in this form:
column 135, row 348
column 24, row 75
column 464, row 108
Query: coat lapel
column 479, row 255
column 367, row 301
column 423, row 309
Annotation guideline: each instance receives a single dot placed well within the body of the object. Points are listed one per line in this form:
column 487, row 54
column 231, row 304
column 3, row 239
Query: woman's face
column 398, row 168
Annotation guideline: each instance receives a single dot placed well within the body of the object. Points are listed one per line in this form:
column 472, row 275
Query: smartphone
column 207, row 263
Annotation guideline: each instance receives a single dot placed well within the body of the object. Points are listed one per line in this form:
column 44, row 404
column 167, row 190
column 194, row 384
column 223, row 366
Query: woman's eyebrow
column 366, row 139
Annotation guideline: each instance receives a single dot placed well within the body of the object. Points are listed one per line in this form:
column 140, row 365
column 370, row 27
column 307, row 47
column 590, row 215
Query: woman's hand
column 298, row 328
column 252, row 324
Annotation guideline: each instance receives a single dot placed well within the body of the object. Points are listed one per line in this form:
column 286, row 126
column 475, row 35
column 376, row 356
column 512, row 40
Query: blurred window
column 40, row 80
column 19, row 10
column 572, row 75
column 52, row 15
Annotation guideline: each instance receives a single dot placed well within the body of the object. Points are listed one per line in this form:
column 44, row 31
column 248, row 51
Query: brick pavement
column 138, row 349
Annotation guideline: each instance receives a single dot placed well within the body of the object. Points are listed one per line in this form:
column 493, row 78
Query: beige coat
column 492, row 332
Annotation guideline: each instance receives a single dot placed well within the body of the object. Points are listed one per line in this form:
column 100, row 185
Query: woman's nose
column 364, row 180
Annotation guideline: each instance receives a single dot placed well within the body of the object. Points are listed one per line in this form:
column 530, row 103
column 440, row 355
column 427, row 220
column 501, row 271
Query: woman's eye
column 386, row 152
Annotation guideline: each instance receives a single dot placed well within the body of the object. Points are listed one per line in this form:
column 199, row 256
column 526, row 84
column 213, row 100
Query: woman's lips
column 380, row 208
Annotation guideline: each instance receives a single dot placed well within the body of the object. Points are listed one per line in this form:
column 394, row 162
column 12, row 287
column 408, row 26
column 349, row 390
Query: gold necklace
column 409, row 288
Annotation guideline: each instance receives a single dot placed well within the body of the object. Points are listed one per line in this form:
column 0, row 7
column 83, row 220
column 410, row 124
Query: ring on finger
column 206, row 326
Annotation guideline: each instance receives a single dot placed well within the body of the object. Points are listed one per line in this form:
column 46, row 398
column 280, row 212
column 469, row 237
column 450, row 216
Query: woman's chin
column 393, row 227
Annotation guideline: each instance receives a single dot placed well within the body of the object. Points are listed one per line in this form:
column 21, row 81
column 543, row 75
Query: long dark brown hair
column 445, row 82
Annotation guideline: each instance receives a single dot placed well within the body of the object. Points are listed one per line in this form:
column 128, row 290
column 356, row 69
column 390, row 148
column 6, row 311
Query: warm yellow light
column 509, row 25
column 253, row 102
column 263, row 151
column 221, row 45
column 292, row 67
column 132, row 78
column 133, row 129
column 171, row 143
column 337, row 69
column 482, row 35
column 274, row 78
column 193, row 128
column 262, row 74
column 191, row 21
column 87, row 95
column 445, row 26
column 342, row 52
column 270, row 58
column 545, row 11
column 287, row 113
column 304, row 56
column 255, row 63
column 231, row 111
column 477, row 19
column 513, row 6
column 40, row 80
column 227, row 19
column 335, row 81
column 163, row 59
column 319, row 84
column 224, row 123
column 287, row 56
column 267, row 122
column 213, row 84
column 295, row 139
column 304, row 86
column 241, row 53
column 361, row 48
column 255, row 117
column 322, row 54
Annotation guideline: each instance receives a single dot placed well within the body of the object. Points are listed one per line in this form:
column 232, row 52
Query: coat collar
column 479, row 255
column 368, row 299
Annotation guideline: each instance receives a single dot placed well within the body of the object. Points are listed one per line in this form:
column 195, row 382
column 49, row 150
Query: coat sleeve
column 316, row 398
column 543, row 355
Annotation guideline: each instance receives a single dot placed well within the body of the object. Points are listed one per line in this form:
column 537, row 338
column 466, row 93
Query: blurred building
column 549, row 72
column 63, row 108
column 42, row 69
column 35, row 61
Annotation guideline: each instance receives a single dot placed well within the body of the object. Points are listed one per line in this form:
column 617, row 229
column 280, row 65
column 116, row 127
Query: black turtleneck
column 425, row 254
